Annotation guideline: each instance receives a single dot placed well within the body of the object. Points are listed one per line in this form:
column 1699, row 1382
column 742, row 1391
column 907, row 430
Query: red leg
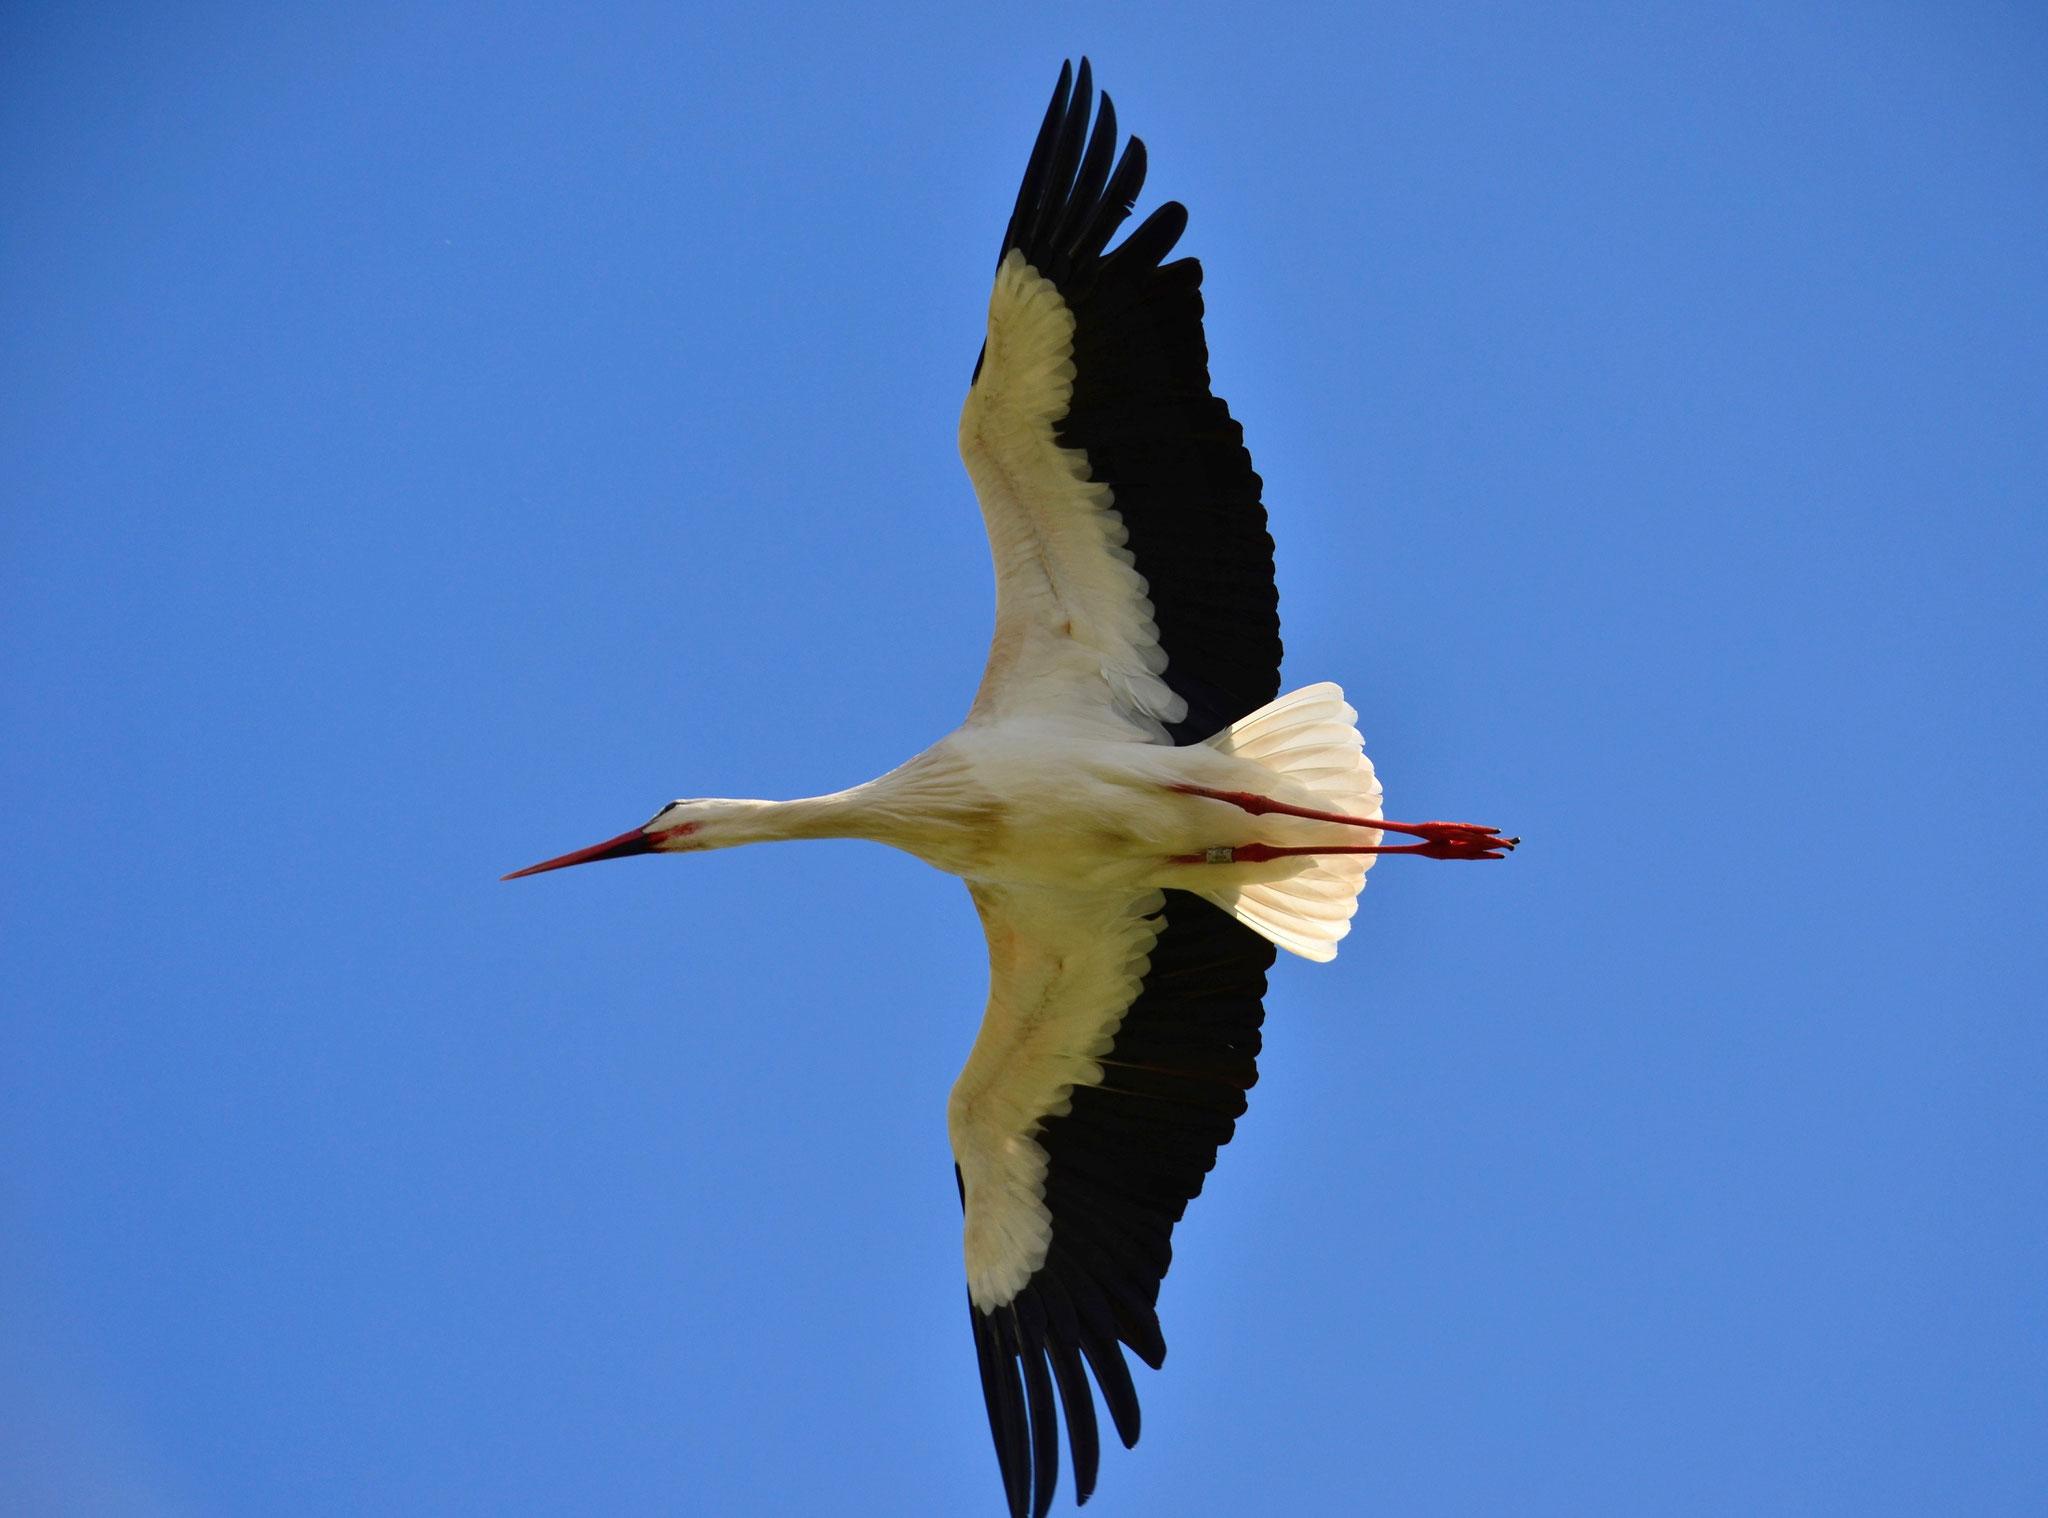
column 1259, row 853
column 1459, row 838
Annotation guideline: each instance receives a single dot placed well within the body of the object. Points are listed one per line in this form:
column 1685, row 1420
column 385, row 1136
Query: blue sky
column 433, row 436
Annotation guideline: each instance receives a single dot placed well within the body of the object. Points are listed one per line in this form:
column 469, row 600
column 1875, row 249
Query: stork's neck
column 900, row 808
column 724, row 824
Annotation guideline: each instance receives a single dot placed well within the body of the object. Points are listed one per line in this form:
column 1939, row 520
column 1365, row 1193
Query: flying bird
column 1139, row 815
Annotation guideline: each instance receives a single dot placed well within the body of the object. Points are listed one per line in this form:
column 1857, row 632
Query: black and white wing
column 1120, row 1038
column 1134, row 574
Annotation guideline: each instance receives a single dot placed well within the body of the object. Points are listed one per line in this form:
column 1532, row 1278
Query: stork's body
column 1030, row 807
column 1138, row 815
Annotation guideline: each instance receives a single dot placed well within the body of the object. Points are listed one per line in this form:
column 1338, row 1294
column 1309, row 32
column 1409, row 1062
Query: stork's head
column 681, row 827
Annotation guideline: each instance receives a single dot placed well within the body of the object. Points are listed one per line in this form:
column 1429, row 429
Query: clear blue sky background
column 432, row 436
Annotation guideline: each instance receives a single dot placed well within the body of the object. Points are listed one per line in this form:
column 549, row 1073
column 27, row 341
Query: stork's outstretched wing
column 1134, row 575
column 1120, row 1038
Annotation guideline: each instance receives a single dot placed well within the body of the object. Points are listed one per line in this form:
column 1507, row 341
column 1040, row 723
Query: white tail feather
column 1308, row 739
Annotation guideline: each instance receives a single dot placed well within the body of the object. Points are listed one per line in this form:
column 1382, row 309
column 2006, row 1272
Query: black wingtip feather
column 1079, row 1403
column 1013, row 1444
column 1154, row 238
column 1087, row 191
column 1034, row 171
column 1114, row 1378
column 1112, row 206
column 1072, row 201
column 995, row 1370
column 1045, row 1429
column 1066, row 158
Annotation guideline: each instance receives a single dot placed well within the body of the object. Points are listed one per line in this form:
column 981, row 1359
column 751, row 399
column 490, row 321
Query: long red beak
column 635, row 842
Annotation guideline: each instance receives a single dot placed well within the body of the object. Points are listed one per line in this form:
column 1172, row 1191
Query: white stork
column 1138, row 819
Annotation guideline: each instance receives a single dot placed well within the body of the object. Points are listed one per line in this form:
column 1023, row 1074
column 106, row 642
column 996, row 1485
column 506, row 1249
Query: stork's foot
column 1451, row 840
column 1440, row 840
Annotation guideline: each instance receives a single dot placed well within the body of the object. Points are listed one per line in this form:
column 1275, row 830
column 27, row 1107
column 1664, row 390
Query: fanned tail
column 1309, row 739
